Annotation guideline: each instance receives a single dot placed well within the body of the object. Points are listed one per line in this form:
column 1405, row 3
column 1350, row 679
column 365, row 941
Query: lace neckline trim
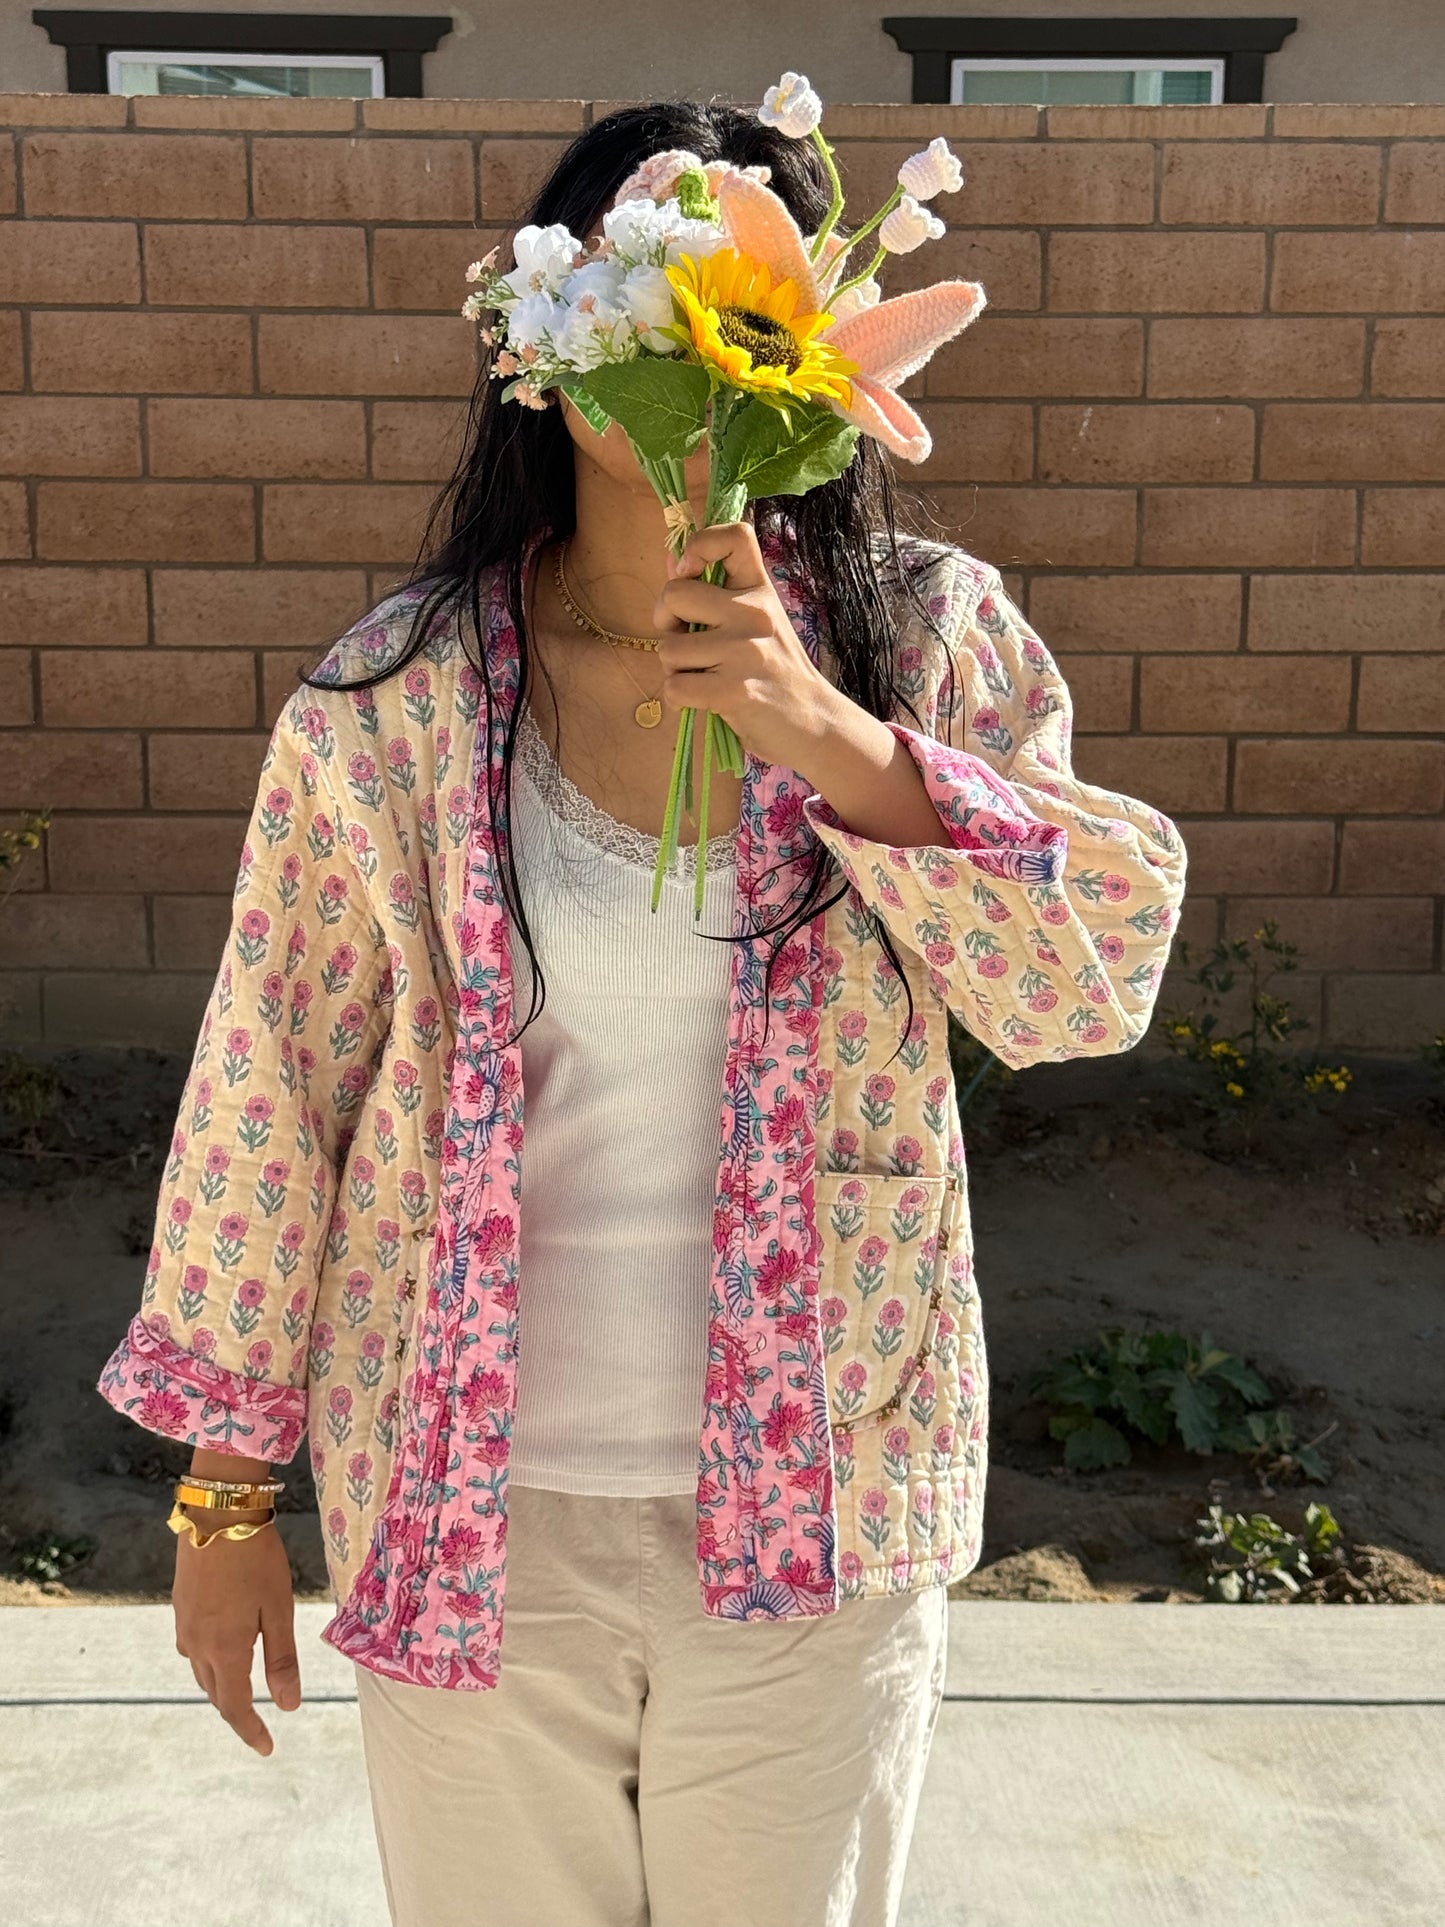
column 574, row 808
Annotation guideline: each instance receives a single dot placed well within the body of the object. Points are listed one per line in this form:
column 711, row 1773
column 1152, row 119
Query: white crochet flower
column 853, row 301
column 908, row 226
column 792, row 107
column 936, row 170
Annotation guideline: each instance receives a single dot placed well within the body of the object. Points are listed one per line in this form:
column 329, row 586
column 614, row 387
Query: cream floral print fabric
column 336, row 1229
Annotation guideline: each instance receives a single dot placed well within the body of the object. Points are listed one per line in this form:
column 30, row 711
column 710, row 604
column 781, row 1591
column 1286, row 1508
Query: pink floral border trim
column 985, row 817
column 151, row 1379
column 427, row 1606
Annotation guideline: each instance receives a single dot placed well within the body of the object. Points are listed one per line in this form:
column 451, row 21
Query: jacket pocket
column 881, row 1279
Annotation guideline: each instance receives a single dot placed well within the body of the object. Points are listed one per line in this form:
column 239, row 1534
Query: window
column 315, row 76
column 339, row 55
column 1054, row 83
column 1168, row 60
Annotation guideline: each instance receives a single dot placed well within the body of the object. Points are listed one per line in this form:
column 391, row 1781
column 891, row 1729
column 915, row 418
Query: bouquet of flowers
column 702, row 310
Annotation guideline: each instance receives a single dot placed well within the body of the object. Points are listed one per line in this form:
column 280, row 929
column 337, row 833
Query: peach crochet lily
column 887, row 342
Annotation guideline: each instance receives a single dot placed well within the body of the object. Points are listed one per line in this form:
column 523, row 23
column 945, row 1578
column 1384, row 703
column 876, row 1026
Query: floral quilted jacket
column 337, row 1229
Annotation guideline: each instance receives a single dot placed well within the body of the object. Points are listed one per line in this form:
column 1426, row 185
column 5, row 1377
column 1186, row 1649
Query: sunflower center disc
column 770, row 343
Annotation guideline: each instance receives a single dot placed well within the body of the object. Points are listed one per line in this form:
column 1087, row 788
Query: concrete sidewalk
column 1095, row 1766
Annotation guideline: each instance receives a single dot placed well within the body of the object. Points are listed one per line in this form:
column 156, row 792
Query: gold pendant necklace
column 648, row 713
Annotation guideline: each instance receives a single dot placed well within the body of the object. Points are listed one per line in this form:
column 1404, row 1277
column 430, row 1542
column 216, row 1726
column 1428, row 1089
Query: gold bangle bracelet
column 227, row 1488
column 236, row 1498
column 180, row 1522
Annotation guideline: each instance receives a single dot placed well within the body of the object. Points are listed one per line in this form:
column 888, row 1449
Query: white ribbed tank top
column 622, row 1074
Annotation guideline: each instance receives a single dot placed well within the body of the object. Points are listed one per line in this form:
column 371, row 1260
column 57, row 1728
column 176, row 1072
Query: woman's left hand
column 749, row 665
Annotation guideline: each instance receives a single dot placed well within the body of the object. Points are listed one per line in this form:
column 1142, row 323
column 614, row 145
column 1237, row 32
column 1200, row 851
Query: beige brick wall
column 1201, row 428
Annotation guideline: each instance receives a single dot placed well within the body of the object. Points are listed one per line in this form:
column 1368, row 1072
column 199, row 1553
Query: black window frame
column 936, row 40
column 400, row 39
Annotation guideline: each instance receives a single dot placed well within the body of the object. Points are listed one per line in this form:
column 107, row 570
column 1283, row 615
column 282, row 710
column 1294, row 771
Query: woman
column 745, row 1202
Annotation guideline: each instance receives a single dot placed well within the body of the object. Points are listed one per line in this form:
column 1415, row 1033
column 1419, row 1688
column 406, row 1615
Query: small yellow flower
column 753, row 330
column 1235, row 1090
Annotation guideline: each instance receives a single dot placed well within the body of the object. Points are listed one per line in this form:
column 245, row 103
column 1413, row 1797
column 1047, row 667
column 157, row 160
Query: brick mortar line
column 1042, row 134
column 496, row 217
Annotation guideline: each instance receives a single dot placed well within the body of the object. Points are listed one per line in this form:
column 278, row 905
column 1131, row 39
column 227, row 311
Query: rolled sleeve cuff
column 165, row 1389
column 984, row 817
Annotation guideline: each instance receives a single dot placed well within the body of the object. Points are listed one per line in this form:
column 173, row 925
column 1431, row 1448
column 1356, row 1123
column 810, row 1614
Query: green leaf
column 1063, row 1423
column 591, row 411
column 767, row 451
column 1245, row 1380
column 1322, row 1528
column 1196, row 1411
column 661, row 404
column 1238, row 1435
column 1093, row 1446
column 1072, row 1382
column 1147, row 1415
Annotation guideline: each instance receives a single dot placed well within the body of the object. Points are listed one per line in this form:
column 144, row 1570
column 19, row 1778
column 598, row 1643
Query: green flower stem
column 867, row 228
column 725, row 503
column 669, row 821
column 858, row 279
column 700, row 857
column 835, row 206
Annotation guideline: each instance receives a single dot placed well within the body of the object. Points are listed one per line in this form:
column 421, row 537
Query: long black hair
column 514, row 482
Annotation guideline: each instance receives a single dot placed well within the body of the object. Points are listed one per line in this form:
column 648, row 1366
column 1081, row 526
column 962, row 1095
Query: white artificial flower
column 853, row 301
column 646, row 294
column 936, row 170
column 545, row 256
column 592, row 331
column 657, row 232
column 908, row 226
column 635, row 229
column 535, row 317
column 601, row 279
column 792, row 107
column 682, row 236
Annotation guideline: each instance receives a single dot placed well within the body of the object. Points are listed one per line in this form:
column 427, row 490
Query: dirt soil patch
column 1102, row 1196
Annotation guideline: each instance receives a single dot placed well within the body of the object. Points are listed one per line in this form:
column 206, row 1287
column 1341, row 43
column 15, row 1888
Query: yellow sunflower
column 749, row 327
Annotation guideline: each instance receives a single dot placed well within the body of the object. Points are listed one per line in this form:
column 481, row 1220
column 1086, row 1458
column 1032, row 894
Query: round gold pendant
column 649, row 714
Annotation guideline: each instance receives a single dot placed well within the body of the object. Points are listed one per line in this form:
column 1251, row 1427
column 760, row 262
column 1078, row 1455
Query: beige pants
column 640, row 1764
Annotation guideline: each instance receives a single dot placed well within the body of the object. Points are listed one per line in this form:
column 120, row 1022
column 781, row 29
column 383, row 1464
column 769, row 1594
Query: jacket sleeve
column 217, row 1354
column 1046, row 914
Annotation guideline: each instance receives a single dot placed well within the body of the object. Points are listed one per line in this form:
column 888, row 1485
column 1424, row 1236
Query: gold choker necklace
column 648, row 713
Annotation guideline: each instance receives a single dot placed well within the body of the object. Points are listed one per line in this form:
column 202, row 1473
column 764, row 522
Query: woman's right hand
column 226, row 1593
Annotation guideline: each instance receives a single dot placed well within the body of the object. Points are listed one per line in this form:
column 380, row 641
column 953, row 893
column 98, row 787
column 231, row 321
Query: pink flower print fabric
column 1040, row 918
column 429, row 1604
column 218, row 1348
column 337, row 1222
